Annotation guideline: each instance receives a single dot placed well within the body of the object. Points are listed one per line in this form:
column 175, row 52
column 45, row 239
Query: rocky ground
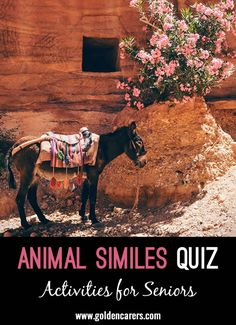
column 212, row 213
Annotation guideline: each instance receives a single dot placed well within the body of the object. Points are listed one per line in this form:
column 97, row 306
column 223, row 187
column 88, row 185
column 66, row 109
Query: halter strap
column 134, row 145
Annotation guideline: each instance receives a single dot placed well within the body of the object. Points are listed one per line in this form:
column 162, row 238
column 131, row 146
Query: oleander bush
column 184, row 55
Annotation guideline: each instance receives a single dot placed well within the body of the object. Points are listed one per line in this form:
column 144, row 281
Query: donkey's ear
column 132, row 126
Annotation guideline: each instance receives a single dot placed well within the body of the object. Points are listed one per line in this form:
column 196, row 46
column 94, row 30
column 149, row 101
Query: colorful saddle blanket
column 65, row 151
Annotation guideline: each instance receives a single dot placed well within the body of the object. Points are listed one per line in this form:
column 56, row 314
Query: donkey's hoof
column 84, row 219
column 45, row 221
column 26, row 226
column 97, row 225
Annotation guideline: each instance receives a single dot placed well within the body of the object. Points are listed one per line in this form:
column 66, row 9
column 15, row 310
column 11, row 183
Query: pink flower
column 163, row 42
column 169, row 69
column 159, row 72
column 153, row 40
column 218, row 14
column 121, row 85
column 168, row 19
column 197, row 63
column 161, row 7
column 221, row 35
column 158, row 81
column 186, row 50
column 229, row 5
column 156, row 54
column 200, row 8
column 176, row 101
column 152, row 57
column 182, row 26
column 129, row 79
column 215, row 66
column 136, row 92
column 192, row 39
column 217, row 63
column 186, row 99
column 204, row 54
column 160, row 41
column 208, row 12
column 141, row 79
column 127, row 97
column 228, row 70
column 205, row 39
column 218, row 45
column 140, row 105
column 190, row 63
column 185, row 88
column 133, row 3
column 167, row 26
column 144, row 56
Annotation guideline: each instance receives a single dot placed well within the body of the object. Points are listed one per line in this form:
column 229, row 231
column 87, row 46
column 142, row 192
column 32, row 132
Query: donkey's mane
column 118, row 131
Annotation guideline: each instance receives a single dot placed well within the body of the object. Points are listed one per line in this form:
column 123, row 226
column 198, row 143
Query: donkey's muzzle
column 141, row 161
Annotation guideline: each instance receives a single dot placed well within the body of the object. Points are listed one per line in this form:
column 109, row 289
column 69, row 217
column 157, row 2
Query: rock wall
column 42, row 84
column 41, row 79
column 186, row 149
column 227, row 120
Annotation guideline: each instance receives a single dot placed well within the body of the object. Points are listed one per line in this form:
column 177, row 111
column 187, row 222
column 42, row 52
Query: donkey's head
column 134, row 148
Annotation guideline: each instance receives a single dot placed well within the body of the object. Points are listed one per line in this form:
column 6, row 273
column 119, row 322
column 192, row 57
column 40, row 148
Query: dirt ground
column 211, row 213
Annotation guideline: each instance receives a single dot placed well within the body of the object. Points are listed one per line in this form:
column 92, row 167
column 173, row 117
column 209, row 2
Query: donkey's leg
column 84, row 197
column 93, row 199
column 32, row 197
column 20, row 200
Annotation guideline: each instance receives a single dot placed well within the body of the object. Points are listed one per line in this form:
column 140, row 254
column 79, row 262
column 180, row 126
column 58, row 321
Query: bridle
column 137, row 144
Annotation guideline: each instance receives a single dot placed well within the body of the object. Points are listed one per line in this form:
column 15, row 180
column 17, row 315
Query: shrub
column 5, row 144
column 183, row 55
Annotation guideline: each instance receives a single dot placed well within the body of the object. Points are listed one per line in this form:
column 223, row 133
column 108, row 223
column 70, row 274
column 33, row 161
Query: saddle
column 67, row 151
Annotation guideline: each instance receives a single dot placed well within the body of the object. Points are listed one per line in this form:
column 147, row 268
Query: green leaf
column 186, row 14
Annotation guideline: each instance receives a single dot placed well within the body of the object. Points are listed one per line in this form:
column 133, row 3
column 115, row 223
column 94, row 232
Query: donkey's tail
column 10, row 175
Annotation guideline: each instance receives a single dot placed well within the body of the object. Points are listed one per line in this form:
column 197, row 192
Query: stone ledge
column 222, row 104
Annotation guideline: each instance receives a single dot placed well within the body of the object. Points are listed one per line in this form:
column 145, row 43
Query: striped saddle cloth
column 65, row 151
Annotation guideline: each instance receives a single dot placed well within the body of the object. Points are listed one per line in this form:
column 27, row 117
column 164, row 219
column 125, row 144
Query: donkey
column 111, row 145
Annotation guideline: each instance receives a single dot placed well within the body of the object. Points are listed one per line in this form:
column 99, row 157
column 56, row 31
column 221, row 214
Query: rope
column 136, row 200
column 29, row 143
